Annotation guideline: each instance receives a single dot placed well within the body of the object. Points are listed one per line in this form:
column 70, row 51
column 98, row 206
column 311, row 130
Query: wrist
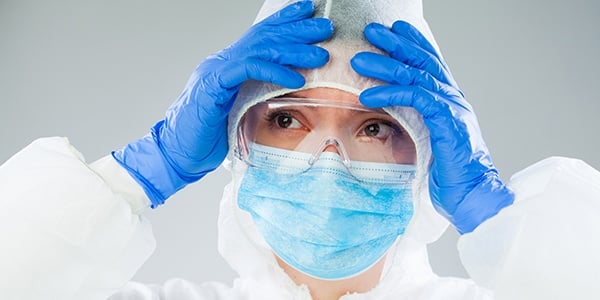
column 146, row 163
column 484, row 201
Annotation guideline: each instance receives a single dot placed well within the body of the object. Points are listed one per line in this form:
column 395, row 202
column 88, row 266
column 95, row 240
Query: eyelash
column 270, row 116
column 395, row 127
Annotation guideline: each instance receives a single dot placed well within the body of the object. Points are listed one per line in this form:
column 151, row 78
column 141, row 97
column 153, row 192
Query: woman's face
column 273, row 134
column 364, row 134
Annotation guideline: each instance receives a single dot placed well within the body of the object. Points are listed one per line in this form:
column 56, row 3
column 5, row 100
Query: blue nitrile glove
column 463, row 183
column 192, row 139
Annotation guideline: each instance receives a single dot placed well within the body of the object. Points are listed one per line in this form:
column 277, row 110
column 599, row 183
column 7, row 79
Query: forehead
column 327, row 94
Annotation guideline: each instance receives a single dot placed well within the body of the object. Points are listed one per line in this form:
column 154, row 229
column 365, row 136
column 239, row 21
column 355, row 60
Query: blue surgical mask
column 323, row 221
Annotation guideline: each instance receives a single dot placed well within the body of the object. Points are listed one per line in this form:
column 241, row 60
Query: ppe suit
column 88, row 219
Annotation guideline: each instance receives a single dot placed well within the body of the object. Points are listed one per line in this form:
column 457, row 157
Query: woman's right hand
column 192, row 138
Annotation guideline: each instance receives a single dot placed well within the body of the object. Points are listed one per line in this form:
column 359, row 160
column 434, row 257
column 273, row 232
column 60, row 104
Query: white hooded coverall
column 73, row 230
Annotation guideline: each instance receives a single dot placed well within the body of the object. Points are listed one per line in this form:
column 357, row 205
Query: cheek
column 282, row 139
column 406, row 153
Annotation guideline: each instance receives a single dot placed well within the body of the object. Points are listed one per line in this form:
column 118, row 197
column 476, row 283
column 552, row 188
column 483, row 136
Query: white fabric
column 546, row 245
column 66, row 231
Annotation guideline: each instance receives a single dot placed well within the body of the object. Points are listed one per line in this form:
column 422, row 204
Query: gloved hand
column 192, row 139
column 463, row 183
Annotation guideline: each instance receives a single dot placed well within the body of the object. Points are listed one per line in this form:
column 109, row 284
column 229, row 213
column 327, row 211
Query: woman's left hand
column 463, row 183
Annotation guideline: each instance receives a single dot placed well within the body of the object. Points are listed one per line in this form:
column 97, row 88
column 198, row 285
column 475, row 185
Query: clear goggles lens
column 311, row 127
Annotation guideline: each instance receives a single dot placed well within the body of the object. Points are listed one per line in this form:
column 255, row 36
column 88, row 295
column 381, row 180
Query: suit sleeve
column 68, row 229
column 547, row 244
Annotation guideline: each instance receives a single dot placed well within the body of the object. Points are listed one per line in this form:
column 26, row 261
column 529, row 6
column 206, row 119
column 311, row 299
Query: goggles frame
column 242, row 147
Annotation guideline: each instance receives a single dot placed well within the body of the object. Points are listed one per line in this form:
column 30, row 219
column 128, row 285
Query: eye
column 378, row 129
column 372, row 130
column 284, row 120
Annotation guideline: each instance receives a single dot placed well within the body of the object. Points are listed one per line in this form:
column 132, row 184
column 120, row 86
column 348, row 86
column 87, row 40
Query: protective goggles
column 300, row 130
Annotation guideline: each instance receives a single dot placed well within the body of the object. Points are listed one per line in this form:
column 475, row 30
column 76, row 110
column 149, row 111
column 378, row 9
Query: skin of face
column 367, row 280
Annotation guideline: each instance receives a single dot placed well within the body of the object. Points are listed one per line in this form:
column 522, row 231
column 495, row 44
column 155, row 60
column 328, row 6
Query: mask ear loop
column 330, row 141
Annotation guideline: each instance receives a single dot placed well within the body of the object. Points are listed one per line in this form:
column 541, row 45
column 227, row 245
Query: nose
column 330, row 144
column 332, row 148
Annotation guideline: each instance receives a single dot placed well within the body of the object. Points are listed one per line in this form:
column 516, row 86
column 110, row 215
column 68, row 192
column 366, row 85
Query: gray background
column 102, row 72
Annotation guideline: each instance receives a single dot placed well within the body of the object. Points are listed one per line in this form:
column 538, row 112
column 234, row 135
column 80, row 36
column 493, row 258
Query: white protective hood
column 239, row 241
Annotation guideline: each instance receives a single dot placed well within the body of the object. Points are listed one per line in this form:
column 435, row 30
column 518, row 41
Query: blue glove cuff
column 147, row 164
column 483, row 202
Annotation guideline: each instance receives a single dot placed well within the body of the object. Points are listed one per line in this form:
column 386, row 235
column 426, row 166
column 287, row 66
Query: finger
column 412, row 34
column 235, row 73
column 396, row 95
column 295, row 55
column 307, row 31
column 406, row 51
column 444, row 129
column 293, row 12
column 390, row 70
column 374, row 99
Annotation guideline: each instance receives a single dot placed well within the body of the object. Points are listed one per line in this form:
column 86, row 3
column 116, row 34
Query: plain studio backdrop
column 103, row 72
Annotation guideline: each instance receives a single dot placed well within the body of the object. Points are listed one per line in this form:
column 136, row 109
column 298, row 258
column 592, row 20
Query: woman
column 348, row 157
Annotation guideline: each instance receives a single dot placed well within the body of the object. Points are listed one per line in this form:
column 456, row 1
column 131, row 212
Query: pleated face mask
column 328, row 214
